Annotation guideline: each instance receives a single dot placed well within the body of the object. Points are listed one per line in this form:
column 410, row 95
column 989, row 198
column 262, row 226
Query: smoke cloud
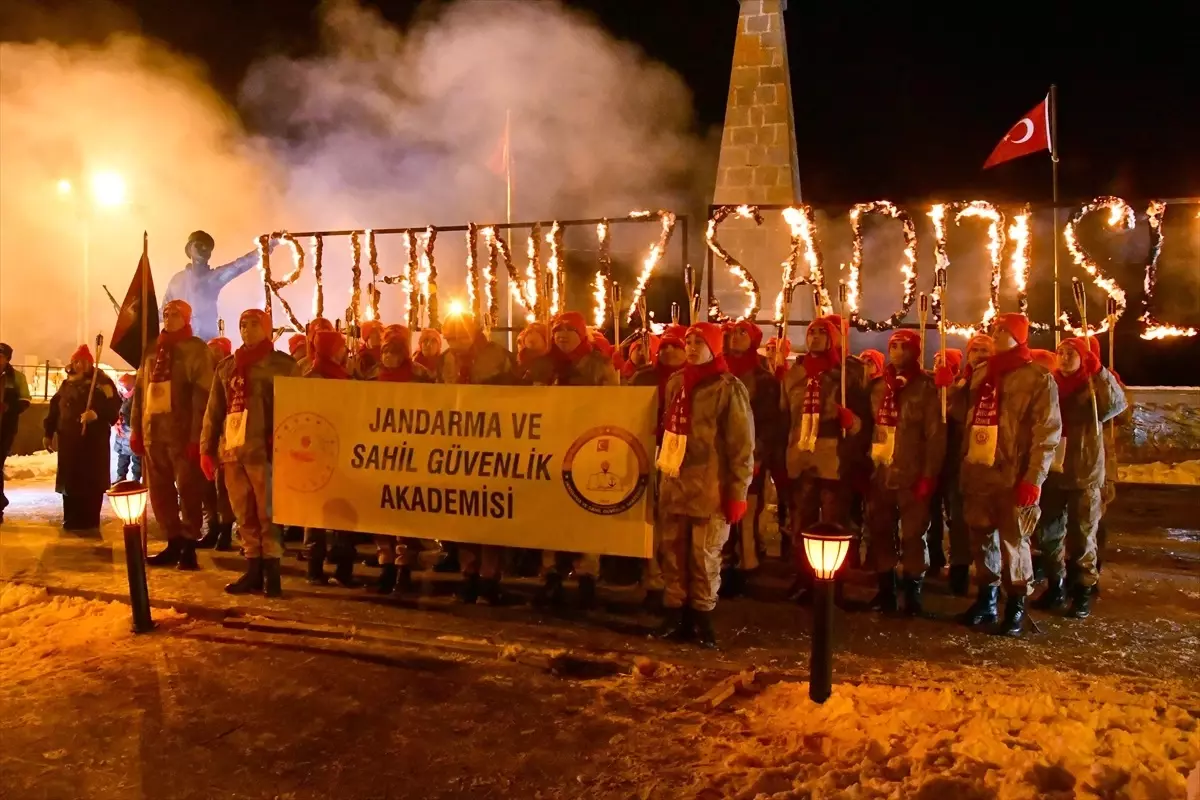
column 382, row 128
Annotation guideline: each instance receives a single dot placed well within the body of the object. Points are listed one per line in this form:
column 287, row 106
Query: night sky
column 891, row 103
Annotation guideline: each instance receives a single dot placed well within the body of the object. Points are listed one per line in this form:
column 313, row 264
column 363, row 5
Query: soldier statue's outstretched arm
column 239, row 266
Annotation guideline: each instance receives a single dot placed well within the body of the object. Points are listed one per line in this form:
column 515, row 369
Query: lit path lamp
column 128, row 500
column 825, row 546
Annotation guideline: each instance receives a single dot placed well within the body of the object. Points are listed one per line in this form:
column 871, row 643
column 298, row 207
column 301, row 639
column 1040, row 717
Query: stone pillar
column 758, row 162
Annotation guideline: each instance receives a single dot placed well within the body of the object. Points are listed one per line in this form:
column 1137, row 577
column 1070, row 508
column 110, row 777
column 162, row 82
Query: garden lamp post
column 128, row 500
column 825, row 547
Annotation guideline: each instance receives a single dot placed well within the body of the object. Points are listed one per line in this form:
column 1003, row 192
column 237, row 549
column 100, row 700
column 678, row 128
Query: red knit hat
column 296, row 342
column 1090, row 361
column 832, row 325
column 711, row 333
column 600, row 342
column 572, row 320
column 370, row 328
column 258, row 315
column 875, row 357
column 326, row 343
column 753, row 331
column 1016, row 324
column 654, row 345
column 1047, row 358
column 82, row 353
column 953, row 360
column 1094, row 345
column 673, row 336
column 981, row 340
column 394, row 336
column 222, row 345
column 909, row 340
column 182, row 307
column 317, row 324
column 532, row 328
column 430, row 333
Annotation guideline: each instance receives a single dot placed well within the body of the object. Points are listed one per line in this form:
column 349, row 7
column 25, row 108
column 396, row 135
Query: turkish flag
column 1030, row 135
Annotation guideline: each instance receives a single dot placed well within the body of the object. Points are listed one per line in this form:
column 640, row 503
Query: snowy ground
column 334, row 693
column 1186, row 473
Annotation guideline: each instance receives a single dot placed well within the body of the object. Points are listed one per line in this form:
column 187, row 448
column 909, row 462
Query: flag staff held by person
column 1033, row 133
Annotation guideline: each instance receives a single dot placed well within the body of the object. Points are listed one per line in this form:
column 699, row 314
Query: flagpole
column 144, row 268
column 508, row 206
column 1054, row 180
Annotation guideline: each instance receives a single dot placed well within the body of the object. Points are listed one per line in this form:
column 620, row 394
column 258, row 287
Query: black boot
column 272, row 586
column 912, row 597
column 211, row 533
column 1014, row 617
column 706, row 637
column 1053, row 598
column 676, row 625
column 316, row 565
column 225, row 537
column 167, row 557
column 469, row 592
column 404, row 581
column 653, row 600
column 187, row 556
column 343, row 573
column 587, row 592
column 551, row 591
column 489, row 591
column 885, row 599
column 731, row 583
column 960, row 580
column 387, row 579
column 251, row 581
column 983, row 611
column 1081, row 603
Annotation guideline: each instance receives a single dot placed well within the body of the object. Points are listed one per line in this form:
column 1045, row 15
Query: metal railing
column 44, row 378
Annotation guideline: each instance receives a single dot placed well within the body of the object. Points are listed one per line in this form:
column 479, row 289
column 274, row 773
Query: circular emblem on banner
column 306, row 451
column 981, row 437
column 606, row 470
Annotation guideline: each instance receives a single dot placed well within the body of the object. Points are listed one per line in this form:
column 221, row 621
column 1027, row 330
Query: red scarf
column 466, row 359
column 369, row 357
column 245, row 358
column 1069, row 384
column 679, row 419
column 329, row 369
column 400, row 374
column 742, row 363
column 987, row 408
column 425, row 361
column 565, row 362
column 889, row 410
column 816, row 365
column 162, row 358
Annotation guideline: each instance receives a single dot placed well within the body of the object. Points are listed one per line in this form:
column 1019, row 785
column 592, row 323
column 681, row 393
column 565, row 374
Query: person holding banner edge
column 707, row 465
column 236, row 439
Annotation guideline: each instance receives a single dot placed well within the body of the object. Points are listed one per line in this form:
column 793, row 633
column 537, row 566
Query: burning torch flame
column 600, row 295
column 1119, row 214
column 1154, row 329
column 554, row 268
column 802, row 230
column 908, row 268
column 456, row 308
column 1019, row 233
column 653, row 259
column 745, row 279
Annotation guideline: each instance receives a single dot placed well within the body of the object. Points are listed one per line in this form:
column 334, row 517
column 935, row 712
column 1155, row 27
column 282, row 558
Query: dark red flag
column 137, row 311
column 1030, row 135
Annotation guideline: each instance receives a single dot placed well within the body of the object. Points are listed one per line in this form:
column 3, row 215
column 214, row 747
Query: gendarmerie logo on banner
column 306, row 452
column 606, row 470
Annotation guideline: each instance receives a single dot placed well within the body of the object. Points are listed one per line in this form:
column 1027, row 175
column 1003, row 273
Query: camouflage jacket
column 492, row 365
column 835, row 456
column 594, row 369
column 260, row 408
column 1084, row 459
column 718, row 463
column 769, row 433
column 920, row 445
column 191, row 380
column 1029, row 429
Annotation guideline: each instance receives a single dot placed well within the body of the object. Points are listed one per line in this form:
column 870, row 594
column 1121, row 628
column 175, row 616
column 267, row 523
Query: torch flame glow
column 600, row 295
column 456, row 308
column 556, row 269
column 1154, row 329
column 1019, row 233
column 745, row 280
column 1119, row 214
column 652, row 260
column 908, row 267
column 800, row 221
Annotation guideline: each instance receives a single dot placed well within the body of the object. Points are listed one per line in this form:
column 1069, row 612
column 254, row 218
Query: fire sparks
column 372, row 289
column 472, row 271
column 908, row 268
column 1119, row 214
column 412, row 281
column 534, row 281
column 979, row 209
column 745, row 280
column 556, row 270
column 427, row 277
column 1154, row 329
column 521, row 290
column 803, row 232
column 1018, row 232
column 600, row 296
column 352, row 313
column 318, row 304
column 603, row 277
column 655, row 256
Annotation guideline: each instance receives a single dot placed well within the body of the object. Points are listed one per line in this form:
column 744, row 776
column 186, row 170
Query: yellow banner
column 551, row 468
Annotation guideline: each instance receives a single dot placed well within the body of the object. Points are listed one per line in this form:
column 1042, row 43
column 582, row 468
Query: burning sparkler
column 1119, row 214
column 603, row 280
column 652, row 260
column 745, row 280
column 524, row 293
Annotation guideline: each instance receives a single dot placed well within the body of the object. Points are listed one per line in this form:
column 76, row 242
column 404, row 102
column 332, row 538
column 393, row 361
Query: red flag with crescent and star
column 1030, row 135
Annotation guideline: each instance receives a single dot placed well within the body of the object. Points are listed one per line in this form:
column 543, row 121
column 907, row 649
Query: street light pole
column 87, row 277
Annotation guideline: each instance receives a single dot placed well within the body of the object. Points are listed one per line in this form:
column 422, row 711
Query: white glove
column 87, row 416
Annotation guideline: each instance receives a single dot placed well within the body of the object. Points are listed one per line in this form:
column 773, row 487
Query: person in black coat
column 82, row 440
column 14, row 399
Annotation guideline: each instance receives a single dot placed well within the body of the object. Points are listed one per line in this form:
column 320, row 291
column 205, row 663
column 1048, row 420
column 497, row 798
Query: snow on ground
column 42, row 464
column 1037, row 734
column 41, row 634
column 1185, row 473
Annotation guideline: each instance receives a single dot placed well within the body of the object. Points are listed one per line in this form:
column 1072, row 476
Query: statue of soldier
column 199, row 285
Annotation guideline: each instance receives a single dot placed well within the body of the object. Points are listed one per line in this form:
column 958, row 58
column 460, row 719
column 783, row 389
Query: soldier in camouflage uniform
column 827, row 436
column 1012, row 428
column 707, row 464
column 572, row 361
column 167, row 418
column 908, row 448
column 238, row 425
column 472, row 359
column 1088, row 397
column 745, row 546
